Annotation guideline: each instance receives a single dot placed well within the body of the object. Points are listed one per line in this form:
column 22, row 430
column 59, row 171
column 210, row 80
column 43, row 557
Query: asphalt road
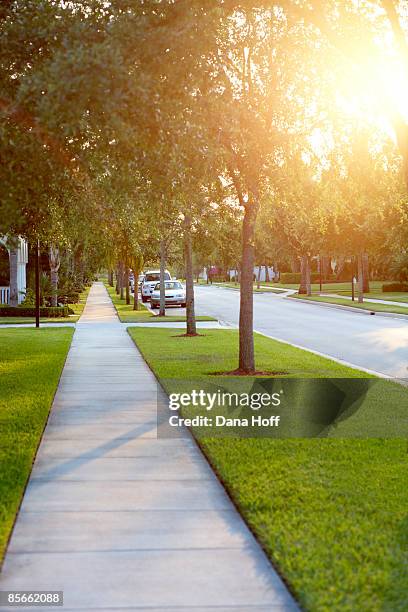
column 368, row 341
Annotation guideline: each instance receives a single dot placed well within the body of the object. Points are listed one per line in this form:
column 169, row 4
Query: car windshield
column 152, row 277
column 155, row 276
column 173, row 285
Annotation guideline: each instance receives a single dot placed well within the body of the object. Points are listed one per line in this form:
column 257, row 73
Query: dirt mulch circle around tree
column 239, row 372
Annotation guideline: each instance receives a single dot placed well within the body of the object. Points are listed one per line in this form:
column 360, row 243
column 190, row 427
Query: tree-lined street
column 197, row 149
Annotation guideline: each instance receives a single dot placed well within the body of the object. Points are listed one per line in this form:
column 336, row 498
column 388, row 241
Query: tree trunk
column 162, row 311
column 246, row 310
column 136, row 289
column 126, row 275
column 121, row 283
column 54, row 260
column 117, row 287
column 366, row 274
column 305, row 286
column 13, row 258
column 110, row 277
column 360, row 274
column 188, row 256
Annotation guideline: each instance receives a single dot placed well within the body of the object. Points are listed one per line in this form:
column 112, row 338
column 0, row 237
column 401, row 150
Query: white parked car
column 175, row 294
column 150, row 281
column 140, row 281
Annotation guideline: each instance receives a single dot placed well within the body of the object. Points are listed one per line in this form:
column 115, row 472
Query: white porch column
column 21, row 269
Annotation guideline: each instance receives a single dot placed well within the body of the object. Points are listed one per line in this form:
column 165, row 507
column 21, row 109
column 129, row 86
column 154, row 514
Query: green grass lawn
column 375, row 286
column 216, row 351
column 264, row 287
column 331, row 513
column 376, row 295
column 31, row 362
column 22, row 320
column 370, row 306
column 142, row 315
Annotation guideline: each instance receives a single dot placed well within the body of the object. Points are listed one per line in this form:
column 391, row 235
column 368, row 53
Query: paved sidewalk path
column 169, row 324
column 121, row 520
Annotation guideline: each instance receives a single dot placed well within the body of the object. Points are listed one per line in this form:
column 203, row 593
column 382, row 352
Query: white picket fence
column 4, row 295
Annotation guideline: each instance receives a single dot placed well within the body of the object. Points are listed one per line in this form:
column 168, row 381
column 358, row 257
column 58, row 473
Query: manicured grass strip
column 217, row 351
column 393, row 297
column 31, row 362
column 370, row 306
column 26, row 320
column 330, row 513
column 262, row 289
column 143, row 315
column 335, row 287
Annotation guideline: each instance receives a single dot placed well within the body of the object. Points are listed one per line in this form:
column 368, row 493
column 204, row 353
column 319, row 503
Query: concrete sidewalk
column 121, row 520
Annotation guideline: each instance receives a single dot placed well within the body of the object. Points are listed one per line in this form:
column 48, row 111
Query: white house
column 258, row 272
column 18, row 280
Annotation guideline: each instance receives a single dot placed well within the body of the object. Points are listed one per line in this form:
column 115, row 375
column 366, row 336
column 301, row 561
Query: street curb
column 329, row 357
column 319, row 353
column 390, row 315
column 255, row 292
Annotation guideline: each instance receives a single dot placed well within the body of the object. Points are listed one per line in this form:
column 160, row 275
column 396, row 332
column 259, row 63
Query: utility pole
column 37, row 284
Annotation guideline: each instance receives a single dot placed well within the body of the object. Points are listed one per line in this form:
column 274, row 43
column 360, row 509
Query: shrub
column 69, row 298
column 24, row 311
column 217, row 278
column 29, row 298
column 293, row 278
column 391, row 287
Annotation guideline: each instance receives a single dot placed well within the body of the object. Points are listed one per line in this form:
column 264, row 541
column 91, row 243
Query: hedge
column 26, row 311
column 391, row 287
column 293, row 278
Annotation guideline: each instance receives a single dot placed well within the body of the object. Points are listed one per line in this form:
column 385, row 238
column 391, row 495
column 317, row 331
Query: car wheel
column 155, row 306
column 183, row 305
column 144, row 298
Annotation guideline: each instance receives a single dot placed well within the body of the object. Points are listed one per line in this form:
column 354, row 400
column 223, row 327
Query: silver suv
column 152, row 277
